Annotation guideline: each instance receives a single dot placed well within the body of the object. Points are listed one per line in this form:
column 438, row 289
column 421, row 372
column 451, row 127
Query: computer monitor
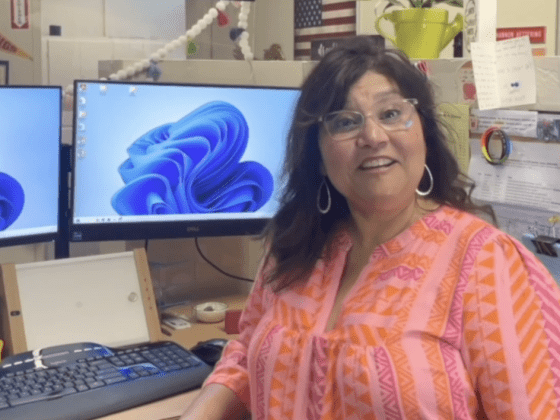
column 176, row 160
column 30, row 129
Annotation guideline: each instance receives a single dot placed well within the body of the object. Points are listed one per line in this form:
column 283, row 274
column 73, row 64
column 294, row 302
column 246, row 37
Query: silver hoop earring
column 425, row 193
column 326, row 209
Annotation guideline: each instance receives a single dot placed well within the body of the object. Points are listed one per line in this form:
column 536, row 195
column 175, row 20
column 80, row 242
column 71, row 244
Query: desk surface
column 173, row 407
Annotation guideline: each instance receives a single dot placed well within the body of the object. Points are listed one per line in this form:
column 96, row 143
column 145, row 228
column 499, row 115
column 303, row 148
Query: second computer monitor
column 174, row 160
column 30, row 120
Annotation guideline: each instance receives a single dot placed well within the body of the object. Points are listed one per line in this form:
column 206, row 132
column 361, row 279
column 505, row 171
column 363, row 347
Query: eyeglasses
column 392, row 115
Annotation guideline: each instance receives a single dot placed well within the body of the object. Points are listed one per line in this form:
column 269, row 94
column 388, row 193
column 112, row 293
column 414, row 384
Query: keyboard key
column 114, row 380
column 40, row 397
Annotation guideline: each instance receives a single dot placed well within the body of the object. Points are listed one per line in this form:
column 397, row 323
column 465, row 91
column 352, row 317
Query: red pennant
column 223, row 19
column 9, row 47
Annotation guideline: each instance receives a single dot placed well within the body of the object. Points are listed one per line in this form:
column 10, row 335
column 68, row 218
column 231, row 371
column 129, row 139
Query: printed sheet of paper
column 457, row 118
column 518, row 221
column 504, row 73
column 514, row 123
column 529, row 178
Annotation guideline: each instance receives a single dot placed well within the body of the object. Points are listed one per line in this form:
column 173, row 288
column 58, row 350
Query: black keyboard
column 86, row 380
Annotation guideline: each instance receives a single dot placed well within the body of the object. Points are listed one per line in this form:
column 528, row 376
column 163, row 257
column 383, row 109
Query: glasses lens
column 343, row 123
column 392, row 115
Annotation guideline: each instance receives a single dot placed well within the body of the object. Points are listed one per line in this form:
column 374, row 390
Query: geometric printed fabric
column 448, row 313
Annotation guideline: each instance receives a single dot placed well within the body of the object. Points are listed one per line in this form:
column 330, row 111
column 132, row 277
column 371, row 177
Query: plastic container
column 211, row 312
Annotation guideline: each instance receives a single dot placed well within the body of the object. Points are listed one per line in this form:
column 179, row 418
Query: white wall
column 77, row 18
column 518, row 13
column 143, row 19
column 94, row 30
column 22, row 70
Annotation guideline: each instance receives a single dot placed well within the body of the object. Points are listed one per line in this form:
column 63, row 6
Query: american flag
column 321, row 19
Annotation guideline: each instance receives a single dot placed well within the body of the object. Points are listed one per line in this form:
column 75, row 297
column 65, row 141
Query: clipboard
column 547, row 250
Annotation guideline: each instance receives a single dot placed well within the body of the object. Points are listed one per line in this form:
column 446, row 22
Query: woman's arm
column 216, row 402
column 225, row 393
column 511, row 325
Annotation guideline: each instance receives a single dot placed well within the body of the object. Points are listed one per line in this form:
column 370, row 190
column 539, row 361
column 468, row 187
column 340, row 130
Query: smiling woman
column 378, row 167
column 381, row 292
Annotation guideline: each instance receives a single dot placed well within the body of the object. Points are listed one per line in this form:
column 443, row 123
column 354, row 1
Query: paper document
column 514, row 123
column 518, row 221
column 504, row 73
column 530, row 177
column 456, row 118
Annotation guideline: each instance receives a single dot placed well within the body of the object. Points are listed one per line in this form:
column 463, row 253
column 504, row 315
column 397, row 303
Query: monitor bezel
column 32, row 239
column 122, row 231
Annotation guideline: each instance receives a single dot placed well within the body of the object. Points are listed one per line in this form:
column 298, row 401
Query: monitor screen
column 30, row 128
column 176, row 160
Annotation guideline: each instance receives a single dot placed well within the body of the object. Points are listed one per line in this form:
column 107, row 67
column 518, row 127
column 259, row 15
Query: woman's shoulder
column 465, row 231
column 461, row 221
column 457, row 224
column 486, row 244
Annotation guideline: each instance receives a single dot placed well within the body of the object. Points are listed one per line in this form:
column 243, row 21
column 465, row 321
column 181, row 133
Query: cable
column 506, row 145
column 215, row 266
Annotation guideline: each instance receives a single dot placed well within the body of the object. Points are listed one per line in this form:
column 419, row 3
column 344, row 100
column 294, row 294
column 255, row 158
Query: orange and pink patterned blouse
column 450, row 316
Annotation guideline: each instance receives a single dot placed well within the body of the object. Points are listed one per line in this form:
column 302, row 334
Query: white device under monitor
column 107, row 299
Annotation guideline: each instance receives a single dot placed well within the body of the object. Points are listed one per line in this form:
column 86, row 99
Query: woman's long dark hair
column 299, row 234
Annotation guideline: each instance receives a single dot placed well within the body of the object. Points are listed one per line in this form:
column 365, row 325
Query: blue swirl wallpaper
column 29, row 160
column 178, row 152
column 193, row 166
column 11, row 200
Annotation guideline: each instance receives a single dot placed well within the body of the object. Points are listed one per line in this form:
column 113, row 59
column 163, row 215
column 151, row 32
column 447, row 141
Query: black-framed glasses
column 391, row 115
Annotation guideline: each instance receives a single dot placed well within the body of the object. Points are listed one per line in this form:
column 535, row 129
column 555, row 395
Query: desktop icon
column 82, row 114
column 103, row 89
column 82, row 100
column 133, row 90
column 82, row 140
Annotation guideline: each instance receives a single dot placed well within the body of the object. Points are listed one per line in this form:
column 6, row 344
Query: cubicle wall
column 446, row 74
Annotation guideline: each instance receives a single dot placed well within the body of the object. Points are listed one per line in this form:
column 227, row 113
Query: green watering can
column 421, row 33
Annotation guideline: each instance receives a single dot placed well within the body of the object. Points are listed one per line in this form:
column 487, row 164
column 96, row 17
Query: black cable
column 215, row 266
